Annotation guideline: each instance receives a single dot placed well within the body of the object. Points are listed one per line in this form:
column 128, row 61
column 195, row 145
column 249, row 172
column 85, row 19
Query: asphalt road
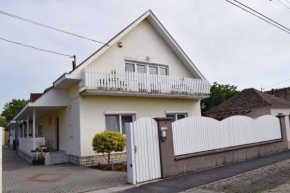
column 192, row 180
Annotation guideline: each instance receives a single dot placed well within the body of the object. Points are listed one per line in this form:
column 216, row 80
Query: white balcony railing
column 27, row 144
column 113, row 80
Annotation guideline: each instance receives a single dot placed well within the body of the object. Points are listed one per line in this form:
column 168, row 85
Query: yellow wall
column 93, row 108
column 140, row 42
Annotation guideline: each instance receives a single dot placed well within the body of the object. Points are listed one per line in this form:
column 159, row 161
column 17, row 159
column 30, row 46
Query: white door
column 143, row 156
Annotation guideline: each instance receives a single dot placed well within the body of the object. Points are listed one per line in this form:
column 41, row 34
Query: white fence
column 142, row 146
column 26, row 144
column 197, row 134
column 142, row 82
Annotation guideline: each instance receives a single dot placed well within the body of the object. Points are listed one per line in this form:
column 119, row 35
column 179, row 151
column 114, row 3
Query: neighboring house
column 252, row 103
column 283, row 93
column 141, row 72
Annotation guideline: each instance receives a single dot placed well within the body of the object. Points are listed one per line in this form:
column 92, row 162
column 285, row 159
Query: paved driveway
column 19, row 176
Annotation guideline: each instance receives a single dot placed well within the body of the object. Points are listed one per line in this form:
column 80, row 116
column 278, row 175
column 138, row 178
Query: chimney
column 74, row 62
column 273, row 91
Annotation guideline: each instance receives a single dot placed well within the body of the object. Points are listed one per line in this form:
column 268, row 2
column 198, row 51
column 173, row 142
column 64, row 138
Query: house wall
column 140, row 42
column 255, row 113
column 93, row 108
column 68, row 117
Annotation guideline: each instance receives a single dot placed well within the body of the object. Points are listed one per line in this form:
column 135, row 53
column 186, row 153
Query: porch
column 113, row 82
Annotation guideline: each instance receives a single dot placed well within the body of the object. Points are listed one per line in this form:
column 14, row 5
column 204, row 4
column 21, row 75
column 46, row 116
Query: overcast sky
column 227, row 45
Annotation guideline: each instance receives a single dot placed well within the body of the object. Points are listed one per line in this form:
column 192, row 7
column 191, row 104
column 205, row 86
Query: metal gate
column 143, row 155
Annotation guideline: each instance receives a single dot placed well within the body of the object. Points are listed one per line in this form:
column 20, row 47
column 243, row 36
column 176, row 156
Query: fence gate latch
column 135, row 148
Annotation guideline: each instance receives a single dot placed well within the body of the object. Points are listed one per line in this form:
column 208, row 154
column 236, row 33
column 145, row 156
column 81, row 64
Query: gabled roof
column 158, row 27
column 282, row 93
column 249, row 99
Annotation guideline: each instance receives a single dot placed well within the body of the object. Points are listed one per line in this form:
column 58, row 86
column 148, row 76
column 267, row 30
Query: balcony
column 120, row 83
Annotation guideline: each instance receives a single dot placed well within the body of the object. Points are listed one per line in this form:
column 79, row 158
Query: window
column 163, row 71
column 141, row 68
column 176, row 116
column 129, row 67
column 117, row 122
column 153, row 70
column 134, row 65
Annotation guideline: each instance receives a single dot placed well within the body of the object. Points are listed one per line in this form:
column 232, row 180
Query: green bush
column 108, row 142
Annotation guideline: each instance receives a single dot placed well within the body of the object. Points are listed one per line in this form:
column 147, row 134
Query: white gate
column 143, row 156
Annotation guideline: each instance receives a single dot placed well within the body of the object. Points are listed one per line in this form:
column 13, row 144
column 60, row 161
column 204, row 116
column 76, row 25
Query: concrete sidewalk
column 193, row 180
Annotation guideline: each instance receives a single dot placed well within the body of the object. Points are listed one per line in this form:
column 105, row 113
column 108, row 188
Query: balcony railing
column 27, row 144
column 113, row 80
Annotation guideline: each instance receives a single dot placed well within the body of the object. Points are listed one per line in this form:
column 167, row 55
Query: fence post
column 283, row 126
column 166, row 146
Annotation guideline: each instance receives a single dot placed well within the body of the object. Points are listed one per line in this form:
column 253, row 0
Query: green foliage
column 11, row 109
column 109, row 141
column 218, row 94
column 2, row 122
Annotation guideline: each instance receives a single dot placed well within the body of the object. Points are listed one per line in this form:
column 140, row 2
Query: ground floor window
column 176, row 116
column 117, row 122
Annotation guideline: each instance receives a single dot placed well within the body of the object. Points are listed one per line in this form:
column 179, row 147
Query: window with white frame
column 176, row 116
column 133, row 65
column 117, row 122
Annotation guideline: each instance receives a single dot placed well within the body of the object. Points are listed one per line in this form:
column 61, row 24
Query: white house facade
column 141, row 72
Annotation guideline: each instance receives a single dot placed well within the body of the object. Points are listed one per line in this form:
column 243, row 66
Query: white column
column 27, row 124
column 33, row 129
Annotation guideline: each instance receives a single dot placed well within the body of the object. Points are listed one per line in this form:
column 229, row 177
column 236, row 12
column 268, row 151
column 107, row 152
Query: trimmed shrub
column 108, row 142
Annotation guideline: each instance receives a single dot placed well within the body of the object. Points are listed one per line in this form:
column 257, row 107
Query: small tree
column 109, row 141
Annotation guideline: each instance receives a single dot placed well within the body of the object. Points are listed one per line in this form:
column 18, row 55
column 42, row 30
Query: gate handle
column 135, row 148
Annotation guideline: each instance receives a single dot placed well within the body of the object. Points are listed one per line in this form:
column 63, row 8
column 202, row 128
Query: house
column 141, row 72
column 283, row 93
column 252, row 103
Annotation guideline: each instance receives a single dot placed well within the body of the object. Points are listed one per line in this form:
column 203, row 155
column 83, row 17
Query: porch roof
column 52, row 100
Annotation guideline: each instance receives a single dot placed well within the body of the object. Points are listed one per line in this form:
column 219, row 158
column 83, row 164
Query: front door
column 57, row 134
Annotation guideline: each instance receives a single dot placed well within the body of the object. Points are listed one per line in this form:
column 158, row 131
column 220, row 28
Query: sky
column 227, row 44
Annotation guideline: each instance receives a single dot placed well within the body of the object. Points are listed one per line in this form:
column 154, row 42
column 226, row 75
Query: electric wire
column 276, row 84
column 49, row 27
column 258, row 17
column 40, row 49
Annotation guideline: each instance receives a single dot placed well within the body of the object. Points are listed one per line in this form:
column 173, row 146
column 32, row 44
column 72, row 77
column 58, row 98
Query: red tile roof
column 249, row 99
column 34, row 96
column 282, row 93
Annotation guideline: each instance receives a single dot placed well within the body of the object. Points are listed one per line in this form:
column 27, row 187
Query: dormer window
column 143, row 66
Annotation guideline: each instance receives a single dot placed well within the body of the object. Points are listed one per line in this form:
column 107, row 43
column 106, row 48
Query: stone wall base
column 96, row 159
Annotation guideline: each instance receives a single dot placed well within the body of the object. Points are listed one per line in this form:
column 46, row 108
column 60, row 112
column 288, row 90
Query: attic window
column 143, row 66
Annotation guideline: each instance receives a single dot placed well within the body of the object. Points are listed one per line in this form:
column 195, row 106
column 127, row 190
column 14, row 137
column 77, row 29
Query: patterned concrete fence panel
column 198, row 134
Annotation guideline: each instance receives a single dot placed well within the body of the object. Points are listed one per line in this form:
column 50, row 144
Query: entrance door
column 143, row 157
column 57, row 133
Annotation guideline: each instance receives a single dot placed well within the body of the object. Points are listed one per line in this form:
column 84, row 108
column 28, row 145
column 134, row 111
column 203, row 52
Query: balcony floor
column 95, row 92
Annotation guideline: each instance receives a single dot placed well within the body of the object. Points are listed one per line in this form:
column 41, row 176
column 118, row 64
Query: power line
column 283, row 4
column 49, row 27
column 262, row 15
column 40, row 49
column 276, row 84
column 258, row 17
column 280, row 6
column 287, row 1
